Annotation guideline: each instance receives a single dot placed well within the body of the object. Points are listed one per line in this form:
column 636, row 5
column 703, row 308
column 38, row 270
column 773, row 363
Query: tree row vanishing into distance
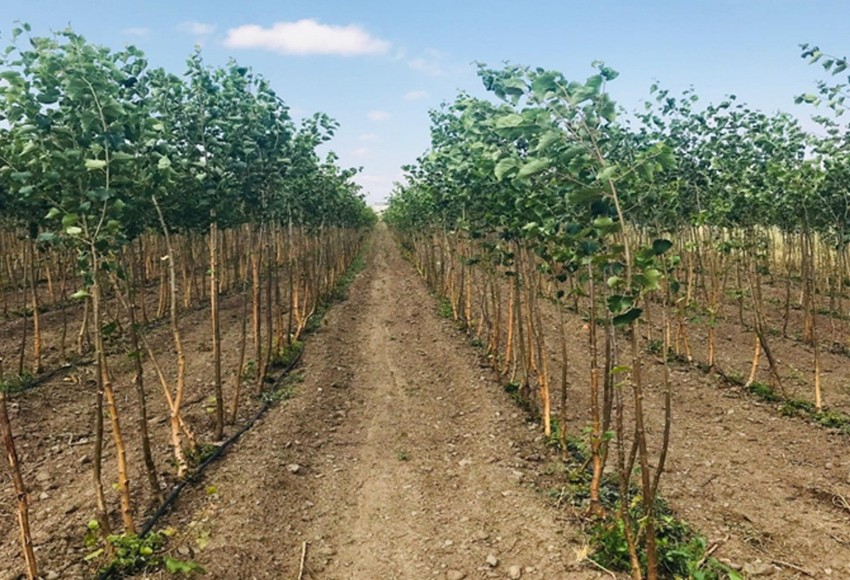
column 117, row 180
column 646, row 226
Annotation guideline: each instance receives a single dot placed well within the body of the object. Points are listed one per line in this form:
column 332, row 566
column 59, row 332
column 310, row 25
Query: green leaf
column 547, row 140
column 164, row 162
column 95, row 164
column 54, row 211
column 509, row 121
column 69, row 219
column 504, row 167
column 176, row 566
column 651, row 279
column 660, row 246
column 78, row 295
column 544, row 84
column 585, row 196
column 627, row 317
column 74, row 231
column 607, row 173
column 618, row 303
column 533, row 167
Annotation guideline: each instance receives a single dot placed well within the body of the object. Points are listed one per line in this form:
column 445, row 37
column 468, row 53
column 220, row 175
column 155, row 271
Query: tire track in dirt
column 399, row 458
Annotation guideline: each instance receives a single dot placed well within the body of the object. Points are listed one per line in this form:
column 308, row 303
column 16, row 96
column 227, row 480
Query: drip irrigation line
column 111, row 572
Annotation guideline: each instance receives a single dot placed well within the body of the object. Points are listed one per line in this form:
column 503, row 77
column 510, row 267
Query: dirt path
column 399, row 457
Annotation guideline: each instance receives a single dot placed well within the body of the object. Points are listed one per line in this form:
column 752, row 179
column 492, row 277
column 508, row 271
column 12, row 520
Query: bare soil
column 399, row 457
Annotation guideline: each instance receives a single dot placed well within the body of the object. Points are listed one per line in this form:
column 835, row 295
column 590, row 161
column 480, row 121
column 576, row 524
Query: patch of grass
column 838, row 348
column 17, row 383
column 286, row 354
column 734, row 378
column 827, row 418
column 554, row 439
column 444, row 308
column 833, row 419
column 832, row 313
column 654, row 346
column 680, row 548
column 200, row 453
column 403, row 456
column 284, row 389
column 764, row 392
column 796, row 407
column 791, row 407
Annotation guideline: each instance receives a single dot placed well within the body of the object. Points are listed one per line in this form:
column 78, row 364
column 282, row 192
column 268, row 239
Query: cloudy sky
column 379, row 66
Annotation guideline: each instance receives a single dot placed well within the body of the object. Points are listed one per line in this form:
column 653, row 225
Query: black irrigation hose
column 111, row 572
column 44, row 377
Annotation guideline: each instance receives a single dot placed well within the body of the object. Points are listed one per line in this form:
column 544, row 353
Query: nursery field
column 580, row 343
column 400, row 454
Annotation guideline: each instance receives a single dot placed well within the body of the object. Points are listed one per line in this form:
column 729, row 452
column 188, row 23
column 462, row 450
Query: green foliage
column 249, row 371
column 17, row 383
column 791, row 407
column 90, row 137
column 175, row 566
column 287, row 353
column 829, row 418
column 131, row 554
column 680, row 549
column 444, row 308
column 200, row 453
column 282, row 390
column 764, row 392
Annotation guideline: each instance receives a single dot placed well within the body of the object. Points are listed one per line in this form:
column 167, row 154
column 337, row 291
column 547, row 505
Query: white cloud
column 437, row 54
column 137, row 31
column 400, row 54
column 429, row 67
column 368, row 137
column 306, row 37
column 378, row 115
column 415, row 95
column 197, row 28
column 361, row 152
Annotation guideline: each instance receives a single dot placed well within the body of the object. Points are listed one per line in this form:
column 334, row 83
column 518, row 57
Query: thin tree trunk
column 18, row 480
column 216, row 330
column 176, row 422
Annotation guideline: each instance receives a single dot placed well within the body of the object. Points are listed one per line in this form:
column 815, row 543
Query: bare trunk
column 20, row 489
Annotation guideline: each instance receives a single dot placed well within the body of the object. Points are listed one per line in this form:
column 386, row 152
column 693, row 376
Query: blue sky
column 377, row 67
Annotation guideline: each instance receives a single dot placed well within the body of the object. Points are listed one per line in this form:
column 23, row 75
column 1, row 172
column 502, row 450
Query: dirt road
column 398, row 457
